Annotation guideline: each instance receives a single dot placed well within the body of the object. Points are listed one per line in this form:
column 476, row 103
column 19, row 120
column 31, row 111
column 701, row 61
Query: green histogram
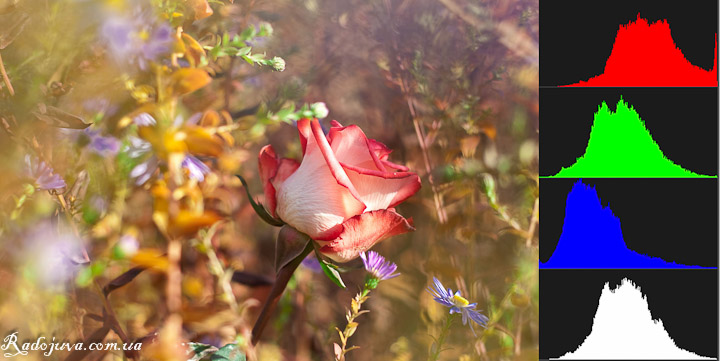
column 620, row 146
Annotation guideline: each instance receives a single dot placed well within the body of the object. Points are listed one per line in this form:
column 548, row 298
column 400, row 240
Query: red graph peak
column 645, row 54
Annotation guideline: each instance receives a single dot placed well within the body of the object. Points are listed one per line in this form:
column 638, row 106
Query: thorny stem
column 435, row 351
column 351, row 327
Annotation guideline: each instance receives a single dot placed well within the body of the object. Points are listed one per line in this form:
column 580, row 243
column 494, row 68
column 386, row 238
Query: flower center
column 460, row 301
column 144, row 35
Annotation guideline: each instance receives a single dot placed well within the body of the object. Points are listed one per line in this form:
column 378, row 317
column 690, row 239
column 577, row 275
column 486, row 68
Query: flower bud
column 320, row 110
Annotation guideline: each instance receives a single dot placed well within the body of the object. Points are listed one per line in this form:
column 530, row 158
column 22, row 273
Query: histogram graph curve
column 644, row 55
column 620, row 146
column 592, row 238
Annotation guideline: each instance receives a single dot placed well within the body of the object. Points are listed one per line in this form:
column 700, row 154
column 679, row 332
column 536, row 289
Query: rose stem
column 281, row 281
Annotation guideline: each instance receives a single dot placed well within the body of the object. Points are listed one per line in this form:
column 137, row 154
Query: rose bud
column 343, row 192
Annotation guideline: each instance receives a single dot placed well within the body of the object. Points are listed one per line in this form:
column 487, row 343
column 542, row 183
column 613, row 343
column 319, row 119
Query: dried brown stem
column 6, row 79
column 533, row 223
column 420, row 133
column 174, row 276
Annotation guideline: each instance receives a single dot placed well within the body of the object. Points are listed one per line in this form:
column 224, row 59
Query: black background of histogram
column 686, row 302
column 682, row 121
column 576, row 37
column 674, row 219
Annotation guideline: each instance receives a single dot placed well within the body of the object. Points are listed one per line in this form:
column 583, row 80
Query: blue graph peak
column 592, row 237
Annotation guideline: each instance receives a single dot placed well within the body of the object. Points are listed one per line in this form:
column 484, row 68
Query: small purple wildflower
column 143, row 171
column 137, row 147
column 127, row 246
column 195, row 167
column 144, row 120
column 137, row 38
column 378, row 266
column 105, row 146
column 43, row 174
column 311, row 262
column 457, row 304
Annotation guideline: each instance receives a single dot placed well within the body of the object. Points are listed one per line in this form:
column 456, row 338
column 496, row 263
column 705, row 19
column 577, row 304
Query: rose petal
column 286, row 168
column 380, row 149
column 313, row 199
column 273, row 172
column 352, row 147
column 331, row 160
column 304, row 131
column 268, row 167
column 381, row 190
column 362, row 232
column 392, row 167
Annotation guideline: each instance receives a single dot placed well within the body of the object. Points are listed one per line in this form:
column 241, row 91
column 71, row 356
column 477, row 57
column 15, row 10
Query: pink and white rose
column 343, row 191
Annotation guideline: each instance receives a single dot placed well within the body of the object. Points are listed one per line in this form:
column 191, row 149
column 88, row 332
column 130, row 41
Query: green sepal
column 258, row 207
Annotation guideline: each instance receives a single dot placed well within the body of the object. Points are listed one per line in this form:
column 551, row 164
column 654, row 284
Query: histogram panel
column 622, row 43
column 628, row 132
column 593, row 236
column 680, row 307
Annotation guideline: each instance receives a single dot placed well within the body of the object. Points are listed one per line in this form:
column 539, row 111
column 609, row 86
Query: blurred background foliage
column 450, row 85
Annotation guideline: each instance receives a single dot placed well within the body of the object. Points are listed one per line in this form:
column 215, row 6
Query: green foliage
column 238, row 47
column 203, row 352
column 332, row 272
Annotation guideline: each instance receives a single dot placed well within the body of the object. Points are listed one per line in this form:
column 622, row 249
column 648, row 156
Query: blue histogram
column 592, row 237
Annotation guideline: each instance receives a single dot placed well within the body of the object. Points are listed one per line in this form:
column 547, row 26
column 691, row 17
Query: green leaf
column 200, row 350
column 331, row 271
column 259, row 209
column 248, row 33
column 248, row 59
column 244, row 51
column 229, row 352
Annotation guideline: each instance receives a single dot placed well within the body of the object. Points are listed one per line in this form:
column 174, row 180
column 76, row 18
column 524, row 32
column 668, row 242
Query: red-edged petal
column 285, row 169
column 381, row 190
column 395, row 167
column 380, row 149
column 304, row 132
column 268, row 167
column 352, row 147
column 332, row 162
column 314, row 199
column 362, row 232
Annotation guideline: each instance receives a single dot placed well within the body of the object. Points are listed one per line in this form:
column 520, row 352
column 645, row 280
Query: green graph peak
column 621, row 146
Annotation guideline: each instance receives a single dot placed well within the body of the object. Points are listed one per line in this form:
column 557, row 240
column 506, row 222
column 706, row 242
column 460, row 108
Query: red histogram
column 644, row 54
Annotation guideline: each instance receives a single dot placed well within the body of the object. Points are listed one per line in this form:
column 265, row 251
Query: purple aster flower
column 457, row 304
column 195, row 167
column 127, row 246
column 105, row 146
column 378, row 266
column 311, row 262
column 144, row 120
column 143, row 171
column 137, row 38
column 52, row 254
column 137, row 147
column 43, row 174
